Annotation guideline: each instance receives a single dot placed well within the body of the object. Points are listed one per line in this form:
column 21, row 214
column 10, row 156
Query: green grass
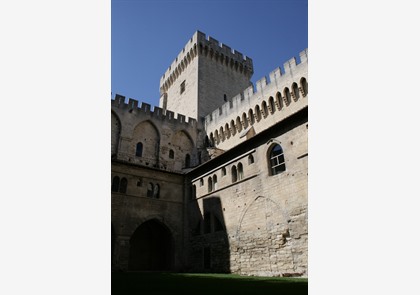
column 201, row 284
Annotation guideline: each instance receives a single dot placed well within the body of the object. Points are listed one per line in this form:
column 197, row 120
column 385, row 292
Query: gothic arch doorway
column 151, row 247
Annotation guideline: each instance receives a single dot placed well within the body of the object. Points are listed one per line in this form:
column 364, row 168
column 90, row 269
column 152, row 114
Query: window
column 115, row 184
column 187, row 161
column 234, row 174
column 250, row 159
column 265, row 108
column 277, row 164
column 214, row 182
column 240, row 171
column 150, row 190
column 139, row 149
column 287, row 98
column 304, row 86
column 209, row 184
column 271, row 104
column 140, row 182
column 123, row 185
column 201, row 182
column 156, row 191
column 295, row 91
column 223, row 171
column 182, row 89
column 171, row 154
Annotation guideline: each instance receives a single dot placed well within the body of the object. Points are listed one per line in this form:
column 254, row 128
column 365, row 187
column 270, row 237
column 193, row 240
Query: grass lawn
column 201, row 284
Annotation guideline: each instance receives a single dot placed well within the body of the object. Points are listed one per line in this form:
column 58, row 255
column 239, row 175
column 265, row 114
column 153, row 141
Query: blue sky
column 147, row 35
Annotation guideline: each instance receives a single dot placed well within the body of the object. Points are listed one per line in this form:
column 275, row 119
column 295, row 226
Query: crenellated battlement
column 203, row 45
column 210, row 47
column 278, row 81
column 145, row 109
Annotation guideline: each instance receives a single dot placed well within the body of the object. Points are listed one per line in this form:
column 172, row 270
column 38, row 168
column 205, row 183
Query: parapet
column 245, row 98
column 200, row 44
column 145, row 109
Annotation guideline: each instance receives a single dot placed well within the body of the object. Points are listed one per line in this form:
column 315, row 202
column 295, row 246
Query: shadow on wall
column 209, row 250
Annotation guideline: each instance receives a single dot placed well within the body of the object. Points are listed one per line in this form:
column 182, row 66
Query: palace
column 215, row 178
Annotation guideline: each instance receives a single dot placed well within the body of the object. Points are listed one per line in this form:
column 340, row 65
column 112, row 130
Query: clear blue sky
column 147, row 35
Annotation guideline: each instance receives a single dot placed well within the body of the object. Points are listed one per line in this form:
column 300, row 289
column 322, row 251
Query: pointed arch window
column 171, row 154
column 277, row 163
column 139, row 149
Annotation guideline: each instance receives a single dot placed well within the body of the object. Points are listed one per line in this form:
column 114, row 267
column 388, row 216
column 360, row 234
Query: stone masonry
column 215, row 178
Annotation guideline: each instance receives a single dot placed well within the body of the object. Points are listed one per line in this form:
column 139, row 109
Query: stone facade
column 224, row 189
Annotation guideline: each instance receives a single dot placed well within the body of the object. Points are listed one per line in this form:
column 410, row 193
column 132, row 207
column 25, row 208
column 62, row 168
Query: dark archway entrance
column 151, row 247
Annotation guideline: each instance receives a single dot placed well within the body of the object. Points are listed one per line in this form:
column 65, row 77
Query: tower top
column 205, row 45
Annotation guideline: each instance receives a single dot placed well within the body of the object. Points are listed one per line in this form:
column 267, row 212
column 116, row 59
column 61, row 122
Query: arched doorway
column 151, row 247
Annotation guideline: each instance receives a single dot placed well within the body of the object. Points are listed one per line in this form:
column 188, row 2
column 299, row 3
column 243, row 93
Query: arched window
column 240, row 171
column 123, row 185
column 304, row 86
column 234, row 174
column 250, row 159
column 211, row 139
column 209, row 184
column 264, row 109
column 150, row 190
column 244, row 120
column 287, row 98
column 187, row 161
column 257, row 113
column 139, row 149
column 227, row 130
column 232, row 127
column 223, row 171
column 277, row 163
column 156, row 191
column 214, row 182
column 279, row 100
column 295, row 90
column 216, row 136
column 171, row 154
column 238, row 124
column 222, row 134
column 251, row 117
column 271, row 104
column 115, row 184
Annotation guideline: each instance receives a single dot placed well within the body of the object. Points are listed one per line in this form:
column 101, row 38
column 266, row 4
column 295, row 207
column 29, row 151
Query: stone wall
column 264, row 216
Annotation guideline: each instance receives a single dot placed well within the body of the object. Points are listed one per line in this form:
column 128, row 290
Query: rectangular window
column 182, row 87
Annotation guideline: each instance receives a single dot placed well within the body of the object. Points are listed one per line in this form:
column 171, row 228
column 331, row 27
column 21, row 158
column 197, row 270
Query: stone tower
column 204, row 76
